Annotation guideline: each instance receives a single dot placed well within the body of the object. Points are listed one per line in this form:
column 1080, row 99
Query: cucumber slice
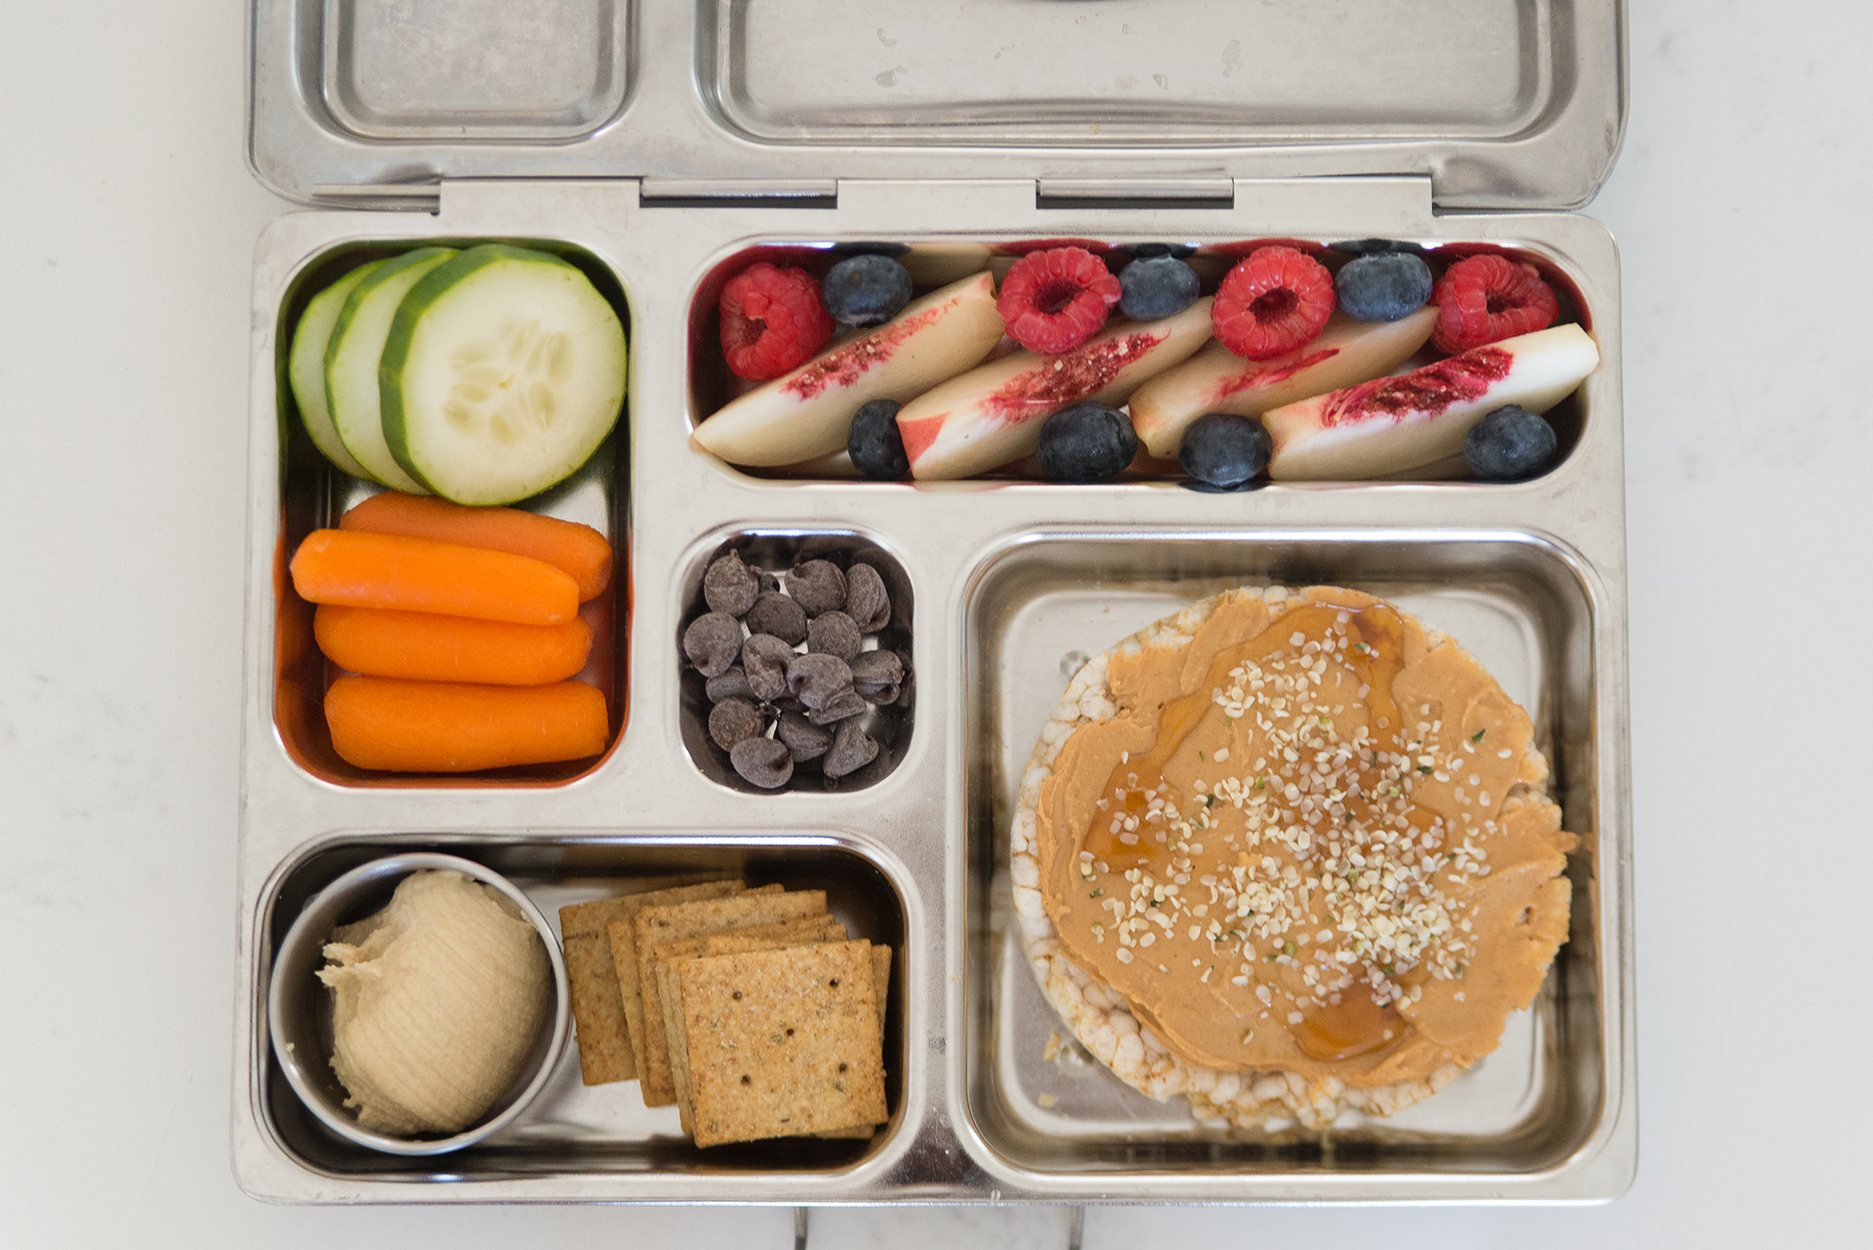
column 351, row 361
column 503, row 372
column 305, row 368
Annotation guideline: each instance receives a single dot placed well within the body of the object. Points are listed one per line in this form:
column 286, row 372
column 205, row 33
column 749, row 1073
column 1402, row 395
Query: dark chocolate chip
column 731, row 683
column 762, row 762
column 730, row 586
column 776, row 614
column 833, row 633
column 817, row 585
column 712, row 642
column 770, row 583
column 765, row 658
column 865, row 599
column 852, row 749
column 805, row 740
column 734, row 719
column 904, row 698
column 838, row 709
column 877, row 668
column 817, row 680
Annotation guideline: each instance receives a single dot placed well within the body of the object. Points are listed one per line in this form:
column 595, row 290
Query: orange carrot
column 416, row 575
column 579, row 550
column 426, row 646
column 451, row 727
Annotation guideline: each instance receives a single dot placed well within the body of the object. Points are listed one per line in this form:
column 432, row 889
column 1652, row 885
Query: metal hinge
column 733, row 193
column 401, row 197
column 1140, row 193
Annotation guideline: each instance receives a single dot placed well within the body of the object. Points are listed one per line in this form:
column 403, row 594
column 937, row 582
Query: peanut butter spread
column 1310, row 841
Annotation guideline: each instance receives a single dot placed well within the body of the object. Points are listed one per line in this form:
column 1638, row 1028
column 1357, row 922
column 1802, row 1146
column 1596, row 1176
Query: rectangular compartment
column 935, row 262
column 1541, row 1109
column 606, row 1129
column 313, row 494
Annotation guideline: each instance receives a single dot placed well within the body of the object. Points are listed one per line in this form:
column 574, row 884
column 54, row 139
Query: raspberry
column 1488, row 298
column 772, row 320
column 1272, row 303
column 1053, row 301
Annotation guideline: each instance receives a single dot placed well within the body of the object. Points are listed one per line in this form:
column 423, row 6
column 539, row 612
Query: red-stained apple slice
column 1217, row 380
column 993, row 414
column 808, row 412
column 1393, row 425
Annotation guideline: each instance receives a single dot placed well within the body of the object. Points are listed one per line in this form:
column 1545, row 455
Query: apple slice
column 993, row 414
column 1393, row 425
column 807, row 413
column 1217, row 380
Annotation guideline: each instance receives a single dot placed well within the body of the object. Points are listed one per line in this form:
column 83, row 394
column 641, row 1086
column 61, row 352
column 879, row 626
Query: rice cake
column 1237, row 786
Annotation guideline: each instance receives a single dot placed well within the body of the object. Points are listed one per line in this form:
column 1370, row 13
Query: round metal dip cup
column 299, row 1007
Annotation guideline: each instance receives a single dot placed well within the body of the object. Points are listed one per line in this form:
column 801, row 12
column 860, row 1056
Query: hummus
column 1297, row 835
column 436, row 1001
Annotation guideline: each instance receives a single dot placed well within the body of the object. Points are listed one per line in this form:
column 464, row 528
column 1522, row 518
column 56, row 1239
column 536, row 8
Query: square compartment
column 1542, row 1103
column 449, row 70
column 777, row 550
column 572, row 1128
column 314, row 494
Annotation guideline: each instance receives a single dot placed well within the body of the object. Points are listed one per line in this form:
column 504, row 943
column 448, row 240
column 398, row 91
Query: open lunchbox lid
column 1501, row 104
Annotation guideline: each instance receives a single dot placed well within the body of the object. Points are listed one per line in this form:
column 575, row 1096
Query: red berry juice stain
column 1060, row 380
column 1257, row 376
column 1423, row 392
column 848, row 364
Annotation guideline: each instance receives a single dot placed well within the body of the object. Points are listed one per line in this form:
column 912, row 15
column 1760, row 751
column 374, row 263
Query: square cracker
column 654, row 926
column 598, row 1004
column 782, row 1043
column 624, row 964
column 669, row 987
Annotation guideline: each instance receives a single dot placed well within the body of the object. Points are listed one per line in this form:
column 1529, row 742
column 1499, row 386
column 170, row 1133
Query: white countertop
column 128, row 218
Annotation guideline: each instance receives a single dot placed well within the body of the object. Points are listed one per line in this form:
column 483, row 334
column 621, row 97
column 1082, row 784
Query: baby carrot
column 416, row 575
column 427, row 646
column 579, row 550
column 451, row 727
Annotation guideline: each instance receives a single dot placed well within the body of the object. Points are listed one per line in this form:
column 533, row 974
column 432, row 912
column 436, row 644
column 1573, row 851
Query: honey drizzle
column 1357, row 1025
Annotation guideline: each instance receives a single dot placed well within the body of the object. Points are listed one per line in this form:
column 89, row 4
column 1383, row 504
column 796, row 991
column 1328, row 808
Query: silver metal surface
column 1497, row 104
column 1532, row 575
column 299, row 1010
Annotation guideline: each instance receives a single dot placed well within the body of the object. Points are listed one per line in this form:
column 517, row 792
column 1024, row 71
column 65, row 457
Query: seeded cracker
column 654, row 926
column 603, row 1033
column 669, row 987
column 782, row 1043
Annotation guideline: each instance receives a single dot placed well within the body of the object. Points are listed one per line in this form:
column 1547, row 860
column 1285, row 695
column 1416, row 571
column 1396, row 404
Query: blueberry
column 1510, row 444
column 1223, row 450
column 1383, row 286
column 1155, row 287
column 866, row 290
column 876, row 446
column 1146, row 251
column 1369, row 247
column 1088, row 442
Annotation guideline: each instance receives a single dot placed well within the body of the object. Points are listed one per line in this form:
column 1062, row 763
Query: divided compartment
column 937, row 262
column 1043, row 605
column 777, row 550
column 314, row 494
column 453, row 70
column 570, row 1127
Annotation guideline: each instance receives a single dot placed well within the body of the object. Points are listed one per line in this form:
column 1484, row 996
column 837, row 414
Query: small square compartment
column 572, row 1128
column 475, row 69
column 314, row 494
column 777, row 550
column 1523, row 606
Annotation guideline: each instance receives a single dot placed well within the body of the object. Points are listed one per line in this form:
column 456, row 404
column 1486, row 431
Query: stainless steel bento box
column 685, row 144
